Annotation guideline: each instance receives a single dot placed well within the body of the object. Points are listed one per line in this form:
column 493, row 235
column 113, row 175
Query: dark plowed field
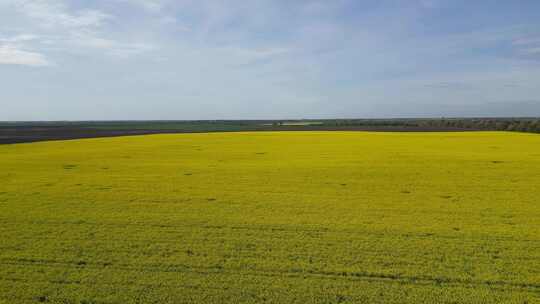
column 22, row 134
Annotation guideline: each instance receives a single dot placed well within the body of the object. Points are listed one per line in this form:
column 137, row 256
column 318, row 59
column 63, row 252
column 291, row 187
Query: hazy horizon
column 73, row 60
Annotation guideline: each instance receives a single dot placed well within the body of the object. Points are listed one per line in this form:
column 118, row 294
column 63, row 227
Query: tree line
column 493, row 124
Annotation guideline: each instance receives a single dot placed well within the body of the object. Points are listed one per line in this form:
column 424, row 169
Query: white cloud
column 110, row 46
column 149, row 5
column 14, row 56
column 19, row 38
column 56, row 14
column 40, row 26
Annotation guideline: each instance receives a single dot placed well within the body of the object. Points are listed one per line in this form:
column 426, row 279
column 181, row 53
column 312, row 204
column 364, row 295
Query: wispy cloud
column 528, row 46
column 55, row 25
column 19, row 38
column 153, row 6
column 14, row 56
column 52, row 13
column 109, row 46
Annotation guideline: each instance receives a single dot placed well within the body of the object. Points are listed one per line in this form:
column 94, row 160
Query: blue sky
column 165, row 59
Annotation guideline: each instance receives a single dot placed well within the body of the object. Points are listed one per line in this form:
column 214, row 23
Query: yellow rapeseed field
column 276, row 217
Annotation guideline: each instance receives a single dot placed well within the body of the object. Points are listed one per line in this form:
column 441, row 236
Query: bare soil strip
column 34, row 134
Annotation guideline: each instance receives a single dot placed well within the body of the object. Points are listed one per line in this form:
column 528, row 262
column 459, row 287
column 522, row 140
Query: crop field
column 272, row 217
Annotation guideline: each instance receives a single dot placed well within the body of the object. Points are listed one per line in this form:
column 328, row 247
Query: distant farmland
column 272, row 217
column 32, row 131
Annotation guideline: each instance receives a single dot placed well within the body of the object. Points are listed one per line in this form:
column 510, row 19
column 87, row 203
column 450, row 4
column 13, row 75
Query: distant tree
column 521, row 126
column 537, row 126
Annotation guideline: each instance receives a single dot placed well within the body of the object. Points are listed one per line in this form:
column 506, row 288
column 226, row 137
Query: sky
column 268, row 59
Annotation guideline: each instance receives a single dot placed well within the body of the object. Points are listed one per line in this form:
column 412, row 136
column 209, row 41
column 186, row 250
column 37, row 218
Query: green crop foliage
column 276, row 217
